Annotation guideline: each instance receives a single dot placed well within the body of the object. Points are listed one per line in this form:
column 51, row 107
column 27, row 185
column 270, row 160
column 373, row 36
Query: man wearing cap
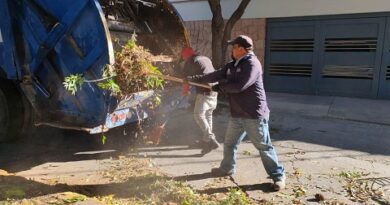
column 206, row 100
column 242, row 81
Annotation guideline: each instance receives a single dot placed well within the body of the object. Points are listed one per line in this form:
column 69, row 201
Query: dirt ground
column 67, row 167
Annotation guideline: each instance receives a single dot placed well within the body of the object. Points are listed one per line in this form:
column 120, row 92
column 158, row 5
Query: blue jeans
column 258, row 132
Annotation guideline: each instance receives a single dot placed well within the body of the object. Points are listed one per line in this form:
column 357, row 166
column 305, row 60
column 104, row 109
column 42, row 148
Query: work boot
column 209, row 146
column 198, row 144
column 218, row 172
column 280, row 184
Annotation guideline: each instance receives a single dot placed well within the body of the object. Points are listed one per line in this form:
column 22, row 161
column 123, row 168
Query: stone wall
column 200, row 35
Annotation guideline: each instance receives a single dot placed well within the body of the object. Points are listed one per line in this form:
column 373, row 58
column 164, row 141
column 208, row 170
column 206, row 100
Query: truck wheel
column 28, row 117
column 4, row 116
column 15, row 112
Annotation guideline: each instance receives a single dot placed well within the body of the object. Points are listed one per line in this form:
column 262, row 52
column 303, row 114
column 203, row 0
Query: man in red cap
column 206, row 100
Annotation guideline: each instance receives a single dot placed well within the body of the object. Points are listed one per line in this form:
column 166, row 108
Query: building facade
column 325, row 47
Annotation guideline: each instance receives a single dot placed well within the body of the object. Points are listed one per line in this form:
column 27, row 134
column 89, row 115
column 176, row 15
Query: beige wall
column 200, row 35
column 200, row 10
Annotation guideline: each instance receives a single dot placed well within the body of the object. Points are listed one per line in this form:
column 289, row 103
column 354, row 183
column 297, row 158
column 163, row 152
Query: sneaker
column 280, row 184
column 209, row 146
column 218, row 172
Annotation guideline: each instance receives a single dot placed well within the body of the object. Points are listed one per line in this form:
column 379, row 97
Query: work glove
column 216, row 88
column 185, row 87
column 194, row 78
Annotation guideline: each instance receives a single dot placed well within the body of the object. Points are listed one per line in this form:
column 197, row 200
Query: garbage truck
column 43, row 41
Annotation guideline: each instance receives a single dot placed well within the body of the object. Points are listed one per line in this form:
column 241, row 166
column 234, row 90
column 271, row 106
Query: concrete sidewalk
column 355, row 109
column 317, row 138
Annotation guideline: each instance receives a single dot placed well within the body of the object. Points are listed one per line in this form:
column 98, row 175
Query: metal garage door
column 290, row 63
column 350, row 57
column 384, row 79
column 329, row 56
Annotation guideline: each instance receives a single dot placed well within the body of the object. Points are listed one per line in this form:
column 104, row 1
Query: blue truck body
column 45, row 40
column 42, row 42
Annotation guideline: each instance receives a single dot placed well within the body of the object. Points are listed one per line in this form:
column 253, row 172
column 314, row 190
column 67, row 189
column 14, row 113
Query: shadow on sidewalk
column 16, row 187
column 340, row 134
column 193, row 177
column 170, row 156
column 264, row 187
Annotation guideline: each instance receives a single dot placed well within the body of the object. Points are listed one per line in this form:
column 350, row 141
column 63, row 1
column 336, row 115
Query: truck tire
column 4, row 116
column 15, row 112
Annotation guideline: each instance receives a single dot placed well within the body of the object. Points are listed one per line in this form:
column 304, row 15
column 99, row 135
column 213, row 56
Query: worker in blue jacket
column 242, row 81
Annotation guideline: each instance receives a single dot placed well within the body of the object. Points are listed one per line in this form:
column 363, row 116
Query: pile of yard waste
column 133, row 69
column 131, row 181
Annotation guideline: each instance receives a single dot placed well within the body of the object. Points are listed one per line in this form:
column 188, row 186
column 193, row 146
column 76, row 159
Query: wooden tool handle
column 179, row 80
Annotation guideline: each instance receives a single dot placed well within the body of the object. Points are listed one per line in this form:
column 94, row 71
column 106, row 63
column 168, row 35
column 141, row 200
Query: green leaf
column 110, row 85
column 132, row 42
column 104, row 139
column 185, row 202
column 236, row 196
column 73, row 83
column 351, row 174
column 156, row 100
column 12, row 192
column 75, row 199
column 108, row 71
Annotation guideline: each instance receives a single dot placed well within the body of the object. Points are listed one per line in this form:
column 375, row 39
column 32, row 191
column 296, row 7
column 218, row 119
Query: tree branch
column 236, row 16
column 230, row 24
column 217, row 25
column 221, row 33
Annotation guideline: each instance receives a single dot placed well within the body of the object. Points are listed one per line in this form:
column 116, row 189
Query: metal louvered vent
column 353, row 72
column 388, row 73
column 292, row 45
column 350, row 44
column 300, row 70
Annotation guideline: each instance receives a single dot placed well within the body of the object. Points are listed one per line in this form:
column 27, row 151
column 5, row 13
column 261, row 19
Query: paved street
column 317, row 139
column 317, row 147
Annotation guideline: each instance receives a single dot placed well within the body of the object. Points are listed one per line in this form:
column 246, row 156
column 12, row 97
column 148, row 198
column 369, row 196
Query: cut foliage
column 130, row 73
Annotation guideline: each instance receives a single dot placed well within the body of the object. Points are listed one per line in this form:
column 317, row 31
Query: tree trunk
column 217, row 26
column 221, row 33
column 229, row 26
